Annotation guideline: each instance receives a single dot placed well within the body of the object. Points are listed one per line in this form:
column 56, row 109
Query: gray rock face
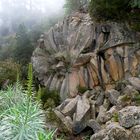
column 135, row 82
column 80, row 53
column 128, row 96
column 129, row 116
column 70, row 107
column 108, row 120
column 116, row 132
column 135, row 133
column 102, row 118
column 112, row 132
column 94, row 125
column 113, row 96
column 99, row 136
column 75, row 110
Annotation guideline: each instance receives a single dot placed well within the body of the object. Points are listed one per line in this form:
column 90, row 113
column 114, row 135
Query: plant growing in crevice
column 82, row 90
column 136, row 99
column 115, row 117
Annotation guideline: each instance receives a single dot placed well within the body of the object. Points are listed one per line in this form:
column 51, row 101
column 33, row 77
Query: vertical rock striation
column 80, row 53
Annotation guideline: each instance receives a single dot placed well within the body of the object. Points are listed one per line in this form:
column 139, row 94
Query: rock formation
column 96, row 69
column 80, row 53
column 113, row 115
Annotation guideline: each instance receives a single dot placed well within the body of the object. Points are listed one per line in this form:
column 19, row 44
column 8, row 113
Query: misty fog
column 29, row 12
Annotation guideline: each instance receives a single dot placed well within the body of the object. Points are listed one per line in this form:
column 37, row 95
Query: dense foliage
column 116, row 10
column 72, row 5
column 112, row 10
column 24, row 48
column 106, row 9
column 8, row 72
column 21, row 116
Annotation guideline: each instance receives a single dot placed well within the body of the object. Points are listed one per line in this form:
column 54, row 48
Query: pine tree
column 24, row 47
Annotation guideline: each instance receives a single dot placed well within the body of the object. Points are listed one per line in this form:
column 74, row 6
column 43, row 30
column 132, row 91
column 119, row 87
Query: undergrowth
column 21, row 116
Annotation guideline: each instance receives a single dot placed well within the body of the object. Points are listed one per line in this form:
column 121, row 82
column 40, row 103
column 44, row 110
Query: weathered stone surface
column 70, row 108
column 63, row 91
column 135, row 133
column 78, row 127
column 113, row 96
column 84, row 54
column 73, row 83
column 135, row 82
column 66, row 121
column 99, row 136
column 102, row 118
column 100, row 98
column 129, row 96
column 77, row 110
column 124, row 101
column 129, row 90
column 82, row 108
column 116, row 132
column 129, row 116
column 94, row 125
column 112, row 132
column 106, row 103
column 113, row 68
column 111, row 112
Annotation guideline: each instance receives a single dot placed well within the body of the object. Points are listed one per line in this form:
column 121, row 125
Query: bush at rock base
column 8, row 72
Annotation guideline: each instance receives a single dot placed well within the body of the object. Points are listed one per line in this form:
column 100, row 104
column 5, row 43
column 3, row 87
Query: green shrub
column 21, row 117
column 115, row 117
column 8, row 71
column 116, row 10
column 137, row 99
column 126, row 98
column 49, row 98
column 135, row 3
column 106, row 9
column 82, row 90
column 134, row 19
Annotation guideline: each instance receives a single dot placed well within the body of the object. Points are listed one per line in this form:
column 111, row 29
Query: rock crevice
column 80, row 53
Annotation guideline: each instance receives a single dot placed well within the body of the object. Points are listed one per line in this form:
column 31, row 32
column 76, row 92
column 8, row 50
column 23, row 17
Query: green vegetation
column 137, row 99
column 117, row 10
column 8, row 72
column 21, row 117
column 109, row 10
column 115, row 117
column 126, row 98
column 82, row 90
column 21, row 24
column 73, row 5
column 49, row 98
column 24, row 48
column 135, row 3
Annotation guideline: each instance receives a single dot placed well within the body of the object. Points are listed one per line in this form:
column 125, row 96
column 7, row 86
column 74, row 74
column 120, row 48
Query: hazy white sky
column 50, row 8
column 53, row 6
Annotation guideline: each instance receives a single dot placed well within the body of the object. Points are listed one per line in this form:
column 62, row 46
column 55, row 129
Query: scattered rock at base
column 129, row 116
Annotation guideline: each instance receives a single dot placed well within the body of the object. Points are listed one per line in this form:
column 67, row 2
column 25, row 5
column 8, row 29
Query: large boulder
column 112, row 131
column 135, row 81
column 78, row 52
column 135, row 133
column 129, row 116
column 77, row 111
column 113, row 96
